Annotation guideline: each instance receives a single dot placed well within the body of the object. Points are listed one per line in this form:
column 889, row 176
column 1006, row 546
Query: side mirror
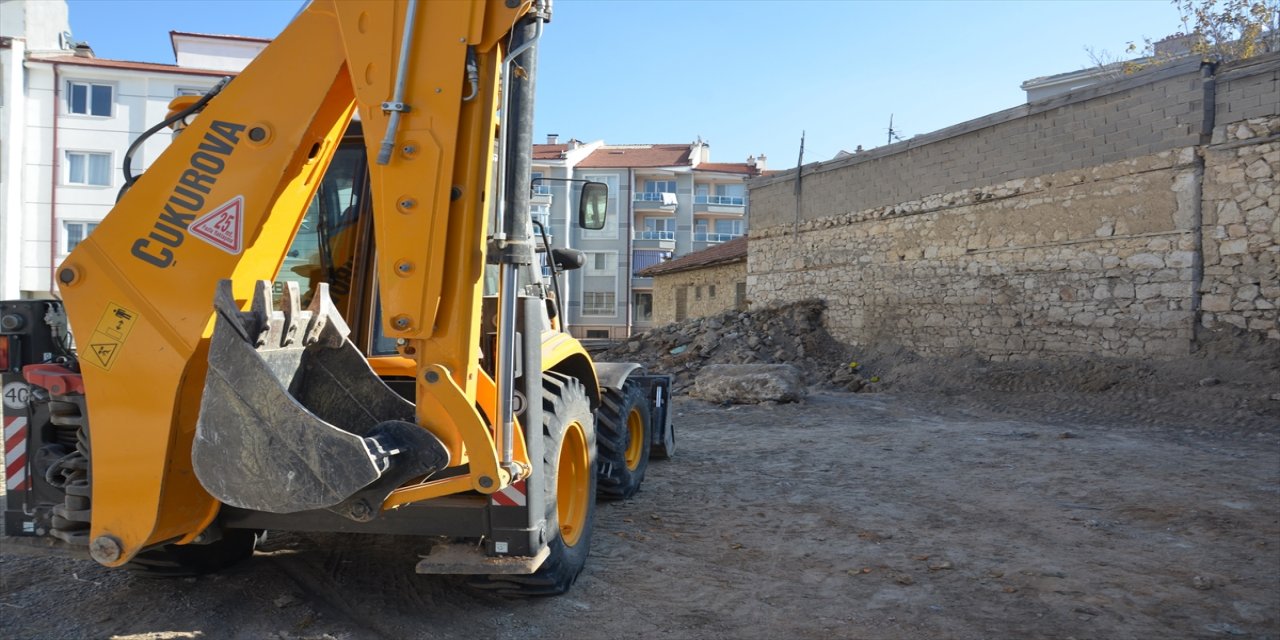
column 568, row 259
column 592, row 205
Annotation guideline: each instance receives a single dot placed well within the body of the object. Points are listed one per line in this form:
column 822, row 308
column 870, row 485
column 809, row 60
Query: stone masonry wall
column 1241, row 285
column 1072, row 262
column 1130, row 237
column 708, row 291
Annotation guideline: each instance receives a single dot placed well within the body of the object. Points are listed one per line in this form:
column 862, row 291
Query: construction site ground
column 1064, row 514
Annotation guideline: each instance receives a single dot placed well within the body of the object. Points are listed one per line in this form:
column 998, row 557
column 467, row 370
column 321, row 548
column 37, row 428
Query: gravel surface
column 1040, row 513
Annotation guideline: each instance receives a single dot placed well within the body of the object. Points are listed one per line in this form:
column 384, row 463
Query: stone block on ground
column 749, row 383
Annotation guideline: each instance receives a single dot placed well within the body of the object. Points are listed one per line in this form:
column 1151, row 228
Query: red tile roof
column 124, row 64
column 728, row 167
column 640, row 155
column 732, row 251
column 549, row 151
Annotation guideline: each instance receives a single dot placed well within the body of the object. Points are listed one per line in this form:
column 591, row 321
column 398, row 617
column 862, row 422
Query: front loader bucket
column 294, row 419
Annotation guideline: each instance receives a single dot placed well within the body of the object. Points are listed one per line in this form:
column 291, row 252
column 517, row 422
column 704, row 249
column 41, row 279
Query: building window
column 602, row 263
column 726, row 194
column 541, row 213
column 724, row 231
column 711, row 291
column 659, row 186
column 88, row 168
column 660, row 224
column 729, row 227
column 657, row 229
column 731, row 190
column 540, row 187
column 597, row 334
column 642, row 305
column 73, row 233
column 88, row 99
column 598, row 303
column 659, row 191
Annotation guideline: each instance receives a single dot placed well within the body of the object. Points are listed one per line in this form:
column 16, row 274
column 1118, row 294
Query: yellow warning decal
column 113, row 329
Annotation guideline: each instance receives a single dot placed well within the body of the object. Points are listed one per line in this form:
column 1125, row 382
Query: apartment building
column 67, row 119
column 666, row 200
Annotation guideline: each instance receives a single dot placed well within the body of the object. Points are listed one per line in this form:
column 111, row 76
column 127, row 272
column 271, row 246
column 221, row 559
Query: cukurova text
column 188, row 196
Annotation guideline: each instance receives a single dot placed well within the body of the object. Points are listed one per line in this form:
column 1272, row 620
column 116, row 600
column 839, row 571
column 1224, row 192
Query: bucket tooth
column 293, row 418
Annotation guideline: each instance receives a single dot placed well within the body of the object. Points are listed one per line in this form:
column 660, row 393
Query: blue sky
column 746, row 75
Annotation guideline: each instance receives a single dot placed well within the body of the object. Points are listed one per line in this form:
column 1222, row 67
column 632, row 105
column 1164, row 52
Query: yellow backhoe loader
column 296, row 321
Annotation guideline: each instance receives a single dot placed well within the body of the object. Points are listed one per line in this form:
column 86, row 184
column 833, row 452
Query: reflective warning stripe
column 511, row 496
column 15, row 453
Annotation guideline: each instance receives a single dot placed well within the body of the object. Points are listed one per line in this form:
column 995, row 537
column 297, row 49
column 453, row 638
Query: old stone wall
column 1102, row 222
column 706, row 291
column 1241, row 232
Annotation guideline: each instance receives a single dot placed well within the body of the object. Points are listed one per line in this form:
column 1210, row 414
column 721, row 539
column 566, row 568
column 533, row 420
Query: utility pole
column 795, row 229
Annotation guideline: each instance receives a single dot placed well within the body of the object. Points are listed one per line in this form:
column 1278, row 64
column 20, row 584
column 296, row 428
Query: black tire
column 182, row 561
column 623, row 460
column 564, row 403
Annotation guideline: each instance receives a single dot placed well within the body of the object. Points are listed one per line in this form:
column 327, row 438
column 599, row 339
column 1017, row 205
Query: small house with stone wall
column 701, row 283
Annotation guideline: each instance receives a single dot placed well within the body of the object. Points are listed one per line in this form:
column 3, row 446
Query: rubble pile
column 793, row 334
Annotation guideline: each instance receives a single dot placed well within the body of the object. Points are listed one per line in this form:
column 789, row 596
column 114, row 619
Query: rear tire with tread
column 564, row 405
column 623, row 414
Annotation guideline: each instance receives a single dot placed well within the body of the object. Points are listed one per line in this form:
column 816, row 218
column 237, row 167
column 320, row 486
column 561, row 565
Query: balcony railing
column 654, row 235
column 715, row 237
column 540, row 189
column 660, row 197
column 729, row 200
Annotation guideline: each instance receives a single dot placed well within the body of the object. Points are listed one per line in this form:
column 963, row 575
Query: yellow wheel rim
column 635, row 439
column 572, row 482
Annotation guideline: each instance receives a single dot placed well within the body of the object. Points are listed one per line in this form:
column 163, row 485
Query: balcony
column 655, row 201
column 715, row 238
column 732, row 205
column 645, row 239
column 541, row 193
column 703, row 240
column 546, row 224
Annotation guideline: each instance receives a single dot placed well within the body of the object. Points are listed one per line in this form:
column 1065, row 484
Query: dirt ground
column 988, row 515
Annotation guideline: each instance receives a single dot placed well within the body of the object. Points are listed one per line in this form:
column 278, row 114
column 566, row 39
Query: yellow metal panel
column 144, row 387
column 431, row 197
column 141, row 288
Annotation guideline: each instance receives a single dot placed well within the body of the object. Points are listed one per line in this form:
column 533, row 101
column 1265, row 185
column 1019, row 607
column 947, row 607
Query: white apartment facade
column 67, row 119
column 665, row 200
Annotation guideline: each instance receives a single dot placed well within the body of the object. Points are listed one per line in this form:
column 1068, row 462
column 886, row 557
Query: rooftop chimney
column 552, row 138
column 758, row 163
column 83, row 50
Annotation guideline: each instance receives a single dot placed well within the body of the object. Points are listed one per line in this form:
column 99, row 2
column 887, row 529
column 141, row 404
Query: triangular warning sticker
column 105, row 352
column 223, row 227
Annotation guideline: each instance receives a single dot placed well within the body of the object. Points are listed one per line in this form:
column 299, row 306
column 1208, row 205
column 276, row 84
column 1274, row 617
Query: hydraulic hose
column 397, row 106
column 196, row 106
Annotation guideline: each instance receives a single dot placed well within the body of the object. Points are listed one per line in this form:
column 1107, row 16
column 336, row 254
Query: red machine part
column 59, row 380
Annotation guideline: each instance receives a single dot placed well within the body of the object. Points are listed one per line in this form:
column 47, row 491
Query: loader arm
column 224, row 202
